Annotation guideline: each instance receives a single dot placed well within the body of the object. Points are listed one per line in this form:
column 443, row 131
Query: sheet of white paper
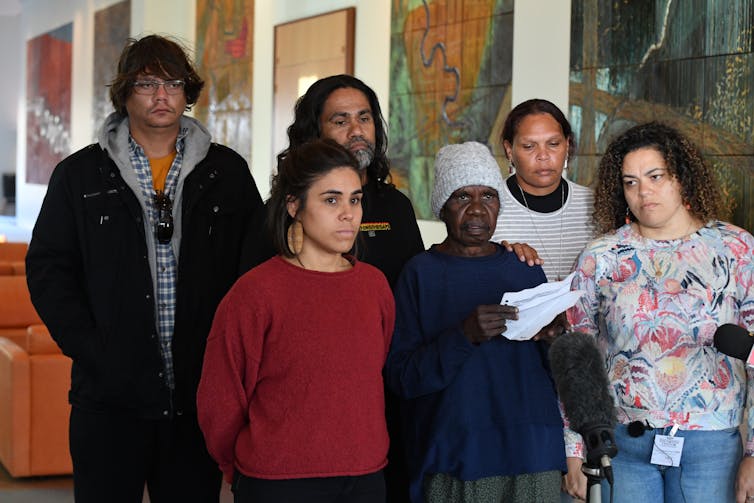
column 538, row 306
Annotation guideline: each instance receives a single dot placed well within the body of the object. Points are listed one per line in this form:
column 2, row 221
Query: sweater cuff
column 575, row 450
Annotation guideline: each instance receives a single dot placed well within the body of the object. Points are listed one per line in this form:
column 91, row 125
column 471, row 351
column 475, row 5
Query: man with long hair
column 345, row 109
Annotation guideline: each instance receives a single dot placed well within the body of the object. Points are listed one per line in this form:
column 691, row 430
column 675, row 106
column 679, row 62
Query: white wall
column 167, row 17
column 10, row 60
column 10, row 41
column 540, row 64
column 10, row 57
column 541, row 51
column 10, row 87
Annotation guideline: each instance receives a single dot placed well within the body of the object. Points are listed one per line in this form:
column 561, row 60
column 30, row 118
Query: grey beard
column 365, row 158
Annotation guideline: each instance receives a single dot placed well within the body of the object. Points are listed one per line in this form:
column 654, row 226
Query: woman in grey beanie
column 480, row 413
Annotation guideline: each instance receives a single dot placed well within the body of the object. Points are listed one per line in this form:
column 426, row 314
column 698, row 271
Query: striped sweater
column 542, row 231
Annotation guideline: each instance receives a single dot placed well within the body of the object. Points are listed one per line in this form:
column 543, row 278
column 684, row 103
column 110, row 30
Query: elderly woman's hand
column 556, row 327
column 488, row 321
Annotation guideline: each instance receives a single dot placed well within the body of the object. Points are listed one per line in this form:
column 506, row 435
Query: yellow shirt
column 160, row 168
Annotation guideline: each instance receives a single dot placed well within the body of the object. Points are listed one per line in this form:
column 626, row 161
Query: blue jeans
column 707, row 472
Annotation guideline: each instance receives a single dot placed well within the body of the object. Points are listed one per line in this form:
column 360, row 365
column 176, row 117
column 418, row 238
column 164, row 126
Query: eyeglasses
column 151, row 86
column 163, row 228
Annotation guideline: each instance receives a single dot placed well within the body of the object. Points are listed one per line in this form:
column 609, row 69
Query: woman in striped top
column 538, row 205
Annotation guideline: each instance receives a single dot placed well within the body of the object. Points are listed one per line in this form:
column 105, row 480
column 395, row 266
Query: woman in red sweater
column 291, row 397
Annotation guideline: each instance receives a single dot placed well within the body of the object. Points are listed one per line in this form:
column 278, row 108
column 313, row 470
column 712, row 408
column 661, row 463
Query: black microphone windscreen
column 578, row 369
column 733, row 341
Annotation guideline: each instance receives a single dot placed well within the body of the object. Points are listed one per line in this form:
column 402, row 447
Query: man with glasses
column 138, row 239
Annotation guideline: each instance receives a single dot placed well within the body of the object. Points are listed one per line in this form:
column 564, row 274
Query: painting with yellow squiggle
column 450, row 75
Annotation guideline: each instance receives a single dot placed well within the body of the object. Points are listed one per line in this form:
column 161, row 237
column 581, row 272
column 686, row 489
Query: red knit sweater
column 292, row 380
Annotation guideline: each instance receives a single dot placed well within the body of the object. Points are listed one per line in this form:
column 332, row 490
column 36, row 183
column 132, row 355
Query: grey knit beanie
column 461, row 165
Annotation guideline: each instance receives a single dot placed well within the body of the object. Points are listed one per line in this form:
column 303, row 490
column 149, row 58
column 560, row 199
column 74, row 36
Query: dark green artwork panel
column 450, row 80
column 688, row 64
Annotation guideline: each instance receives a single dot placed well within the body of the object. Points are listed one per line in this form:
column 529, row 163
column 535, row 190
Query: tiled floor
column 54, row 490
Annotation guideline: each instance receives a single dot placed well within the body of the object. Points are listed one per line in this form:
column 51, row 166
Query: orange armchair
column 12, row 252
column 16, row 310
column 34, row 409
column 12, row 258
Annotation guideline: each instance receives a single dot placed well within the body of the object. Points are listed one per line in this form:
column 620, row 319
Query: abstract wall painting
column 48, row 102
column 689, row 64
column 112, row 27
column 450, row 76
column 224, row 60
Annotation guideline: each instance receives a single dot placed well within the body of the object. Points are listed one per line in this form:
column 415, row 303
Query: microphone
column 578, row 370
column 734, row 341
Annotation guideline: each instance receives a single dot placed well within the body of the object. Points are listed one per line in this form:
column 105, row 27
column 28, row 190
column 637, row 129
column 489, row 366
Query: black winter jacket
column 90, row 280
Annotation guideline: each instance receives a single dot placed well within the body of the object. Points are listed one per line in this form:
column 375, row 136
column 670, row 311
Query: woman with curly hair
column 662, row 278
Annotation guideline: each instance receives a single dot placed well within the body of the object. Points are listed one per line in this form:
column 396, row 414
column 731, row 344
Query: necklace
column 536, row 231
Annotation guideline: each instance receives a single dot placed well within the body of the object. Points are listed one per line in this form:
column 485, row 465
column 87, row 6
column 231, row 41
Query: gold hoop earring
column 295, row 237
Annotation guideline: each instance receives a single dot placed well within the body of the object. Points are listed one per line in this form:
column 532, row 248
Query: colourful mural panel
column 224, row 60
column 689, row 64
column 450, row 75
column 112, row 27
column 48, row 102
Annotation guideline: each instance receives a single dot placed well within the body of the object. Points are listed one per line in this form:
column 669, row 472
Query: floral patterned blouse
column 653, row 307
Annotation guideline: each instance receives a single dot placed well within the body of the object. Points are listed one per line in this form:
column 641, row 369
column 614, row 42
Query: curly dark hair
column 534, row 107
column 296, row 173
column 308, row 110
column 699, row 188
column 159, row 56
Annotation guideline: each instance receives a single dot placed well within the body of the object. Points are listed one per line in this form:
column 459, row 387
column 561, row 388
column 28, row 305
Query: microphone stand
column 600, row 447
column 594, row 475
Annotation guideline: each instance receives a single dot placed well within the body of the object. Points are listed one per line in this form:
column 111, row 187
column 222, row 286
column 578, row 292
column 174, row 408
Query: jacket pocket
column 103, row 210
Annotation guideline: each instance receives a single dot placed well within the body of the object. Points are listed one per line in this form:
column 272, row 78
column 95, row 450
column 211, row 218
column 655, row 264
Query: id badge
column 667, row 449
